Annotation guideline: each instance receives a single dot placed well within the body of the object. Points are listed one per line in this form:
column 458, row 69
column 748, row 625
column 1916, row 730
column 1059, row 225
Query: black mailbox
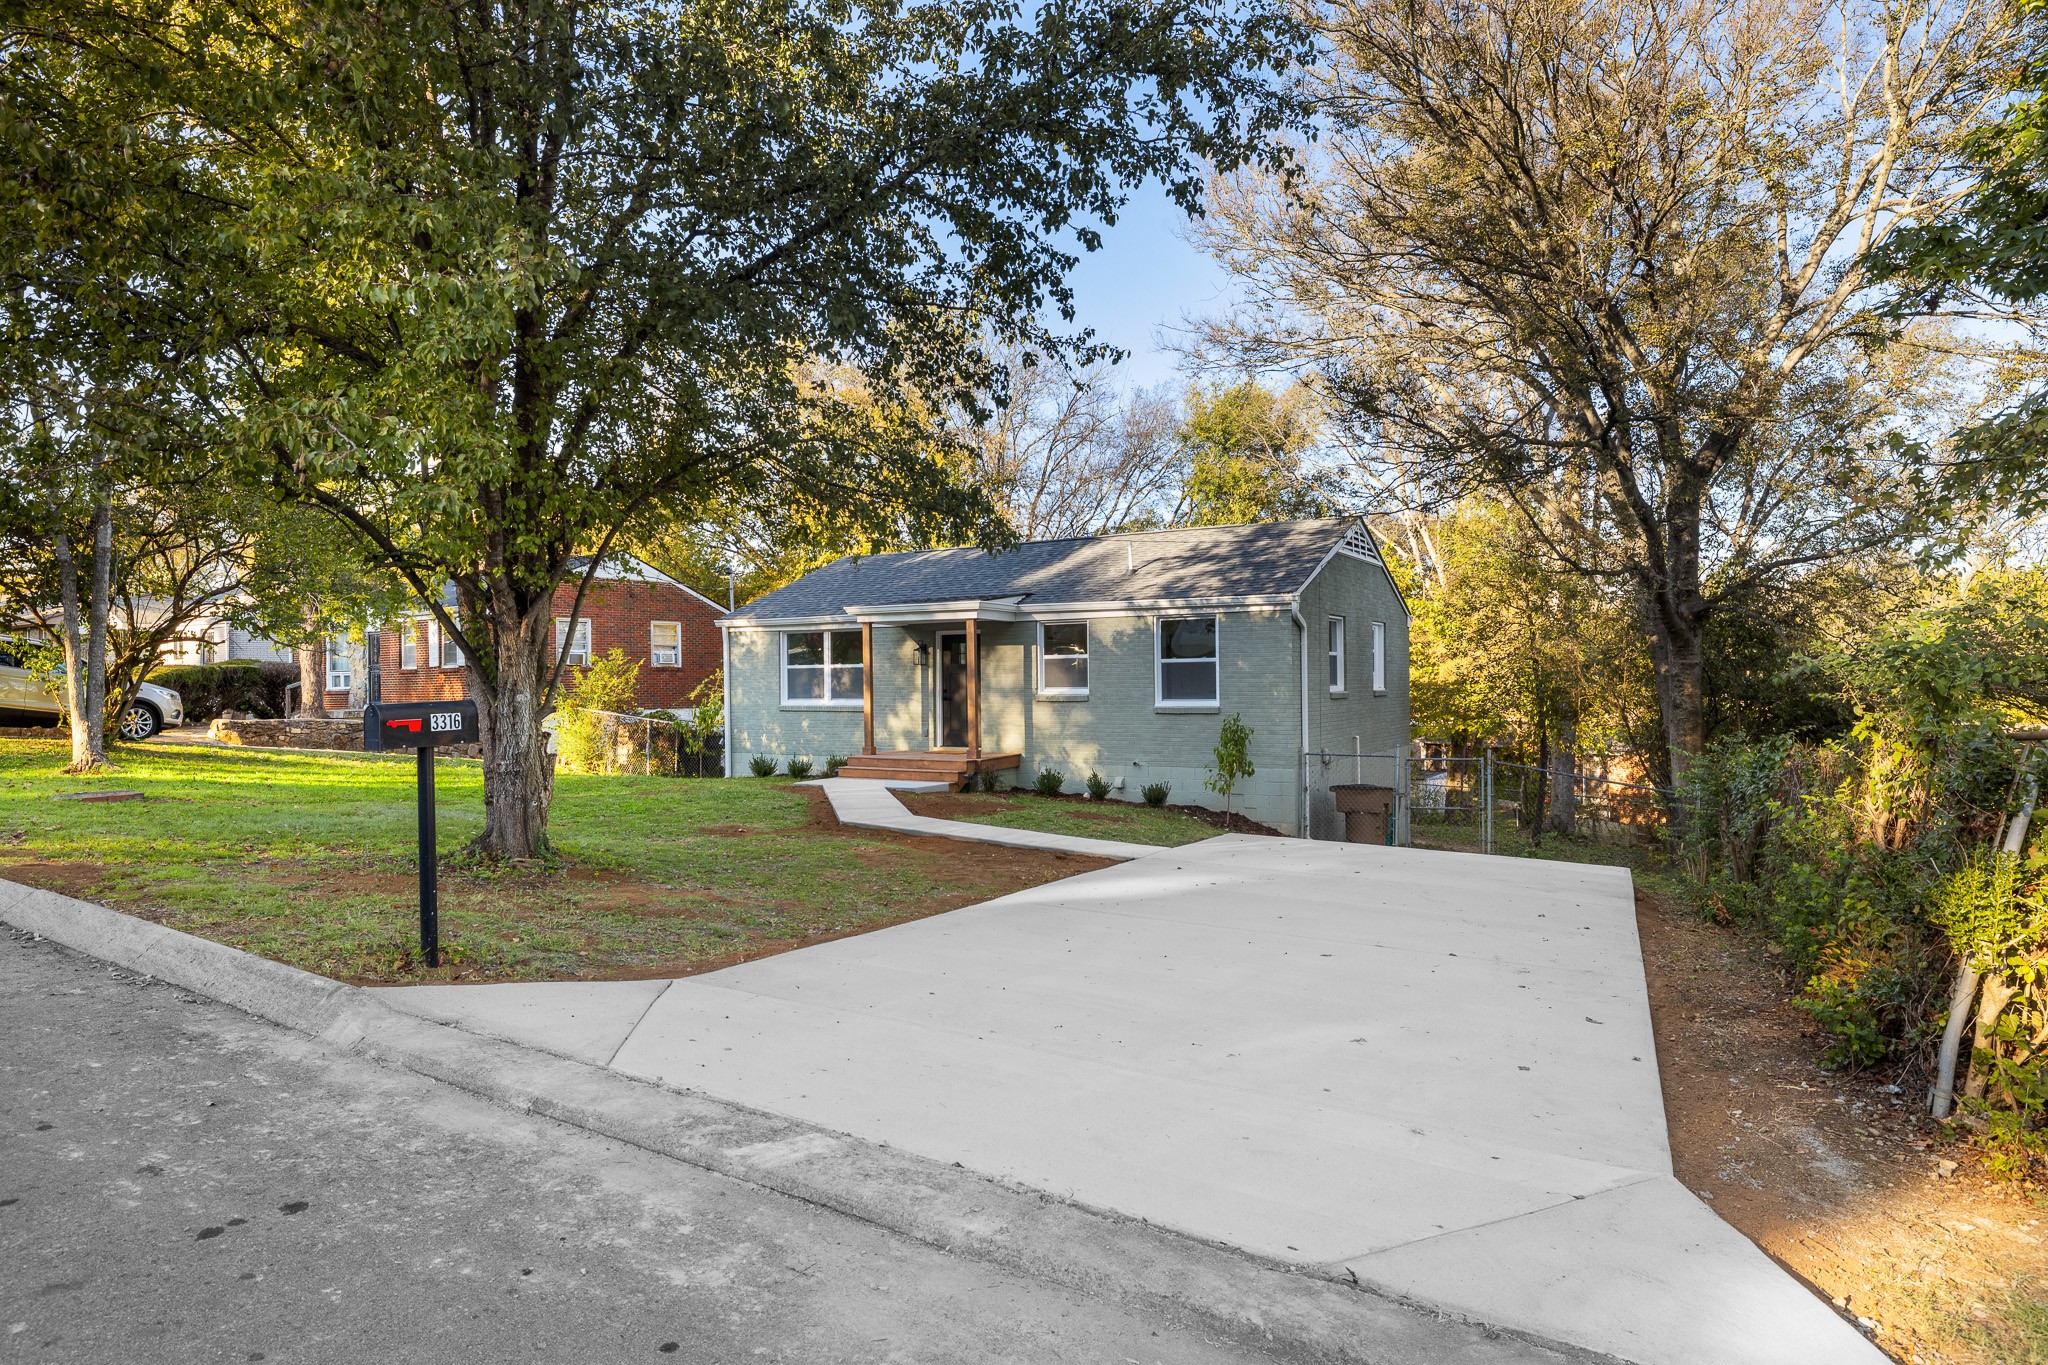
column 418, row 724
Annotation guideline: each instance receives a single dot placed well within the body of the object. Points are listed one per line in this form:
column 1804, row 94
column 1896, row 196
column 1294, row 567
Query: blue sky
column 1143, row 282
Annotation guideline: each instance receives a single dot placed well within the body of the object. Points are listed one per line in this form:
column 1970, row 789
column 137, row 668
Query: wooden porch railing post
column 867, row 687
column 973, row 691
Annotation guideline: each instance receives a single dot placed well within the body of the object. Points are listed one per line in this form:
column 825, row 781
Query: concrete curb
column 1300, row 1313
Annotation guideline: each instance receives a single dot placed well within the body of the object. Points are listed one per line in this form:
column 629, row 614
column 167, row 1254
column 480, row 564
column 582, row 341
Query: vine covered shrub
column 586, row 738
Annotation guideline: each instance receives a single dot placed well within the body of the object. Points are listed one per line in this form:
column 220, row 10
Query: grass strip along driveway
column 309, row 859
column 1125, row 820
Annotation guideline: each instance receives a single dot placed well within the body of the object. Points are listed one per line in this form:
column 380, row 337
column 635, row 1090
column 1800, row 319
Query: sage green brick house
column 1120, row 655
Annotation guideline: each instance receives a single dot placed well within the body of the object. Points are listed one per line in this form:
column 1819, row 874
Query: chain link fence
column 1479, row 803
column 653, row 743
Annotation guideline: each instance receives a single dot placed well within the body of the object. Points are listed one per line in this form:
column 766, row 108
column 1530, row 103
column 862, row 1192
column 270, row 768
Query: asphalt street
column 182, row 1182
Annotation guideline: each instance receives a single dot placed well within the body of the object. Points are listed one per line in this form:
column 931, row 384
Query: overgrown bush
column 1050, row 780
column 761, row 765
column 1874, row 863
column 1155, row 793
column 799, row 769
column 1098, row 786
column 585, row 735
column 207, row 690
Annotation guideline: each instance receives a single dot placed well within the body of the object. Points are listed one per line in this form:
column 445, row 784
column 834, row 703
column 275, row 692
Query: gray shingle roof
column 1195, row 562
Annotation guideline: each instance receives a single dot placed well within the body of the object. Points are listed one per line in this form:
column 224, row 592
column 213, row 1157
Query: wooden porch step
column 953, row 769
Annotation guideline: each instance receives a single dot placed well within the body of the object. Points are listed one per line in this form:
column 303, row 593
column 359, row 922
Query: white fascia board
column 836, row 621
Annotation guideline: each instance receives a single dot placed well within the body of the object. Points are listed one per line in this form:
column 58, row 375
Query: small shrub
column 1233, row 761
column 1050, row 780
column 1098, row 786
column 799, row 769
column 834, row 764
column 761, row 765
column 1157, row 792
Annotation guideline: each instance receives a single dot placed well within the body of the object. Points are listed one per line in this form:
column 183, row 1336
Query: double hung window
column 409, row 644
column 1379, row 656
column 1336, row 654
column 822, row 667
column 579, row 648
column 1063, row 658
column 340, row 676
column 451, row 650
column 1187, row 661
column 665, row 644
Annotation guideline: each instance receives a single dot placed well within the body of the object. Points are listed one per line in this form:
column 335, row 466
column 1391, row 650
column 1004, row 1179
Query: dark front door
column 953, row 691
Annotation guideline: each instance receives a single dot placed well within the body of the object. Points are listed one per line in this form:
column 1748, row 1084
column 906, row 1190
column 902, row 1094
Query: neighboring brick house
column 669, row 629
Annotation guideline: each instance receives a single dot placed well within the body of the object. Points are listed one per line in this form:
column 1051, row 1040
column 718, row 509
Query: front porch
column 958, row 758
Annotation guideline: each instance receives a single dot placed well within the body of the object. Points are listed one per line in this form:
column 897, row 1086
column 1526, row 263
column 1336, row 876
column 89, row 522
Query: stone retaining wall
column 342, row 736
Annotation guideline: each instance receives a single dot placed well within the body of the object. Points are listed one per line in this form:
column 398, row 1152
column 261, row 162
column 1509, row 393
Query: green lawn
column 308, row 859
column 1125, row 820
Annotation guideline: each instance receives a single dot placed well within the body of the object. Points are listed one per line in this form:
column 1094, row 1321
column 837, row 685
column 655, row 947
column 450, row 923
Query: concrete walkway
column 1431, row 1072
column 870, row 804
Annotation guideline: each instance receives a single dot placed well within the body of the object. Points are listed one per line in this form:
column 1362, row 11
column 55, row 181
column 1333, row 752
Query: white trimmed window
column 665, row 644
column 1379, row 656
column 1185, row 667
column 579, row 648
column 339, row 675
column 1063, row 658
column 1336, row 654
column 822, row 668
column 451, row 651
column 409, row 644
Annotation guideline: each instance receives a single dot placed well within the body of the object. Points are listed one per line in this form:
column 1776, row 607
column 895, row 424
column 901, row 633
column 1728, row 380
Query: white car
column 24, row 700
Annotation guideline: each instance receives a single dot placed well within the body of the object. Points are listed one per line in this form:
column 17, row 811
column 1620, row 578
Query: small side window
column 1379, row 656
column 1336, row 654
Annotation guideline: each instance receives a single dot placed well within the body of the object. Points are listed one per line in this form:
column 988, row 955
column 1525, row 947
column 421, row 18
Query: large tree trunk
column 1560, row 814
column 519, row 772
column 313, row 679
column 84, row 706
column 85, row 660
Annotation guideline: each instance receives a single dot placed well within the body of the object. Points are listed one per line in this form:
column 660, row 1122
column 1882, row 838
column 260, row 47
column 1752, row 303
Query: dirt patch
column 69, row 879
column 1843, row 1179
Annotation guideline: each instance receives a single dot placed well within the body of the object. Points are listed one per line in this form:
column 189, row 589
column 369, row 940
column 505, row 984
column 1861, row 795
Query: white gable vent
column 1358, row 544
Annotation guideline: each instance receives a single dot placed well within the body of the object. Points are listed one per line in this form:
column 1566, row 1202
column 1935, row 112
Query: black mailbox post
column 422, row 726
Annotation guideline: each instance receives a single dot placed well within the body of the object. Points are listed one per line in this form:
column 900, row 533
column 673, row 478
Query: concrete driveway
column 1433, row 1072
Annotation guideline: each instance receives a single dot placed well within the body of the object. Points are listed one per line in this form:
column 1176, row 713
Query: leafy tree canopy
column 496, row 285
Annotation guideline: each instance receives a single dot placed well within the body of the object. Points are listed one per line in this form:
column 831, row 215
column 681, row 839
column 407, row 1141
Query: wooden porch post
column 867, row 687
column 973, row 691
